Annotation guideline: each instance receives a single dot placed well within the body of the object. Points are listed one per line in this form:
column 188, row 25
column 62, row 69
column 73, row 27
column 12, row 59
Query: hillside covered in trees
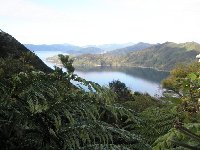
column 125, row 50
column 45, row 109
column 14, row 51
column 160, row 56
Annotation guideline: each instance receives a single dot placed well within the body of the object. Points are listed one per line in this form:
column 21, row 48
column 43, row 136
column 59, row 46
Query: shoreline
column 92, row 66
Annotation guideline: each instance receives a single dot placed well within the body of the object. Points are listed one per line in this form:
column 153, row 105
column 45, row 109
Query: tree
column 42, row 110
column 180, row 72
column 120, row 89
column 185, row 133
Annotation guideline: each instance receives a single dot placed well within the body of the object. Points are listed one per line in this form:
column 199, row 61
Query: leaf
column 192, row 76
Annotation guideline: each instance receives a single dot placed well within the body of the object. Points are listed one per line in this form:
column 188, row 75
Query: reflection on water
column 144, row 73
column 144, row 80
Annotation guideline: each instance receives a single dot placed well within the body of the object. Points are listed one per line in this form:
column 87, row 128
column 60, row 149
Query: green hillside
column 164, row 56
column 161, row 56
column 14, row 50
column 125, row 50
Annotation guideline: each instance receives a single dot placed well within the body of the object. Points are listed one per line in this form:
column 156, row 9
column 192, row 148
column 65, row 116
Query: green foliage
column 67, row 63
column 120, row 89
column 185, row 134
column 156, row 122
column 141, row 102
column 179, row 73
column 184, row 80
column 190, row 87
column 155, row 118
column 46, row 111
column 12, row 66
column 180, row 140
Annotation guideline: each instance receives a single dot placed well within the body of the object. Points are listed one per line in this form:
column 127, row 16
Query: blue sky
column 86, row 22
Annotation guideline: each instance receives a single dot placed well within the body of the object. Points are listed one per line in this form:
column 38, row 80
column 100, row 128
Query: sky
column 95, row 22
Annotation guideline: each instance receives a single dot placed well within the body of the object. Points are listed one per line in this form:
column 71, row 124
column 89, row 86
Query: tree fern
column 178, row 139
column 46, row 111
column 156, row 122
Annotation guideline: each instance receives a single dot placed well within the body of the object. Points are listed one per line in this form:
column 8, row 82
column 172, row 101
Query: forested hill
column 125, row 50
column 164, row 56
column 160, row 56
column 14, row 50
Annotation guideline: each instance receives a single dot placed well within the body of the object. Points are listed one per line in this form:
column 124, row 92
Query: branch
column 184, row 145
column 189, row 133
column 179, row 126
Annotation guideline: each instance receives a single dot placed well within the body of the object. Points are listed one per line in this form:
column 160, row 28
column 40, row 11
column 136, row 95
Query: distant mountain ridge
column 77, row 50
column 65, row 48
column 163, row 56
column 91, row 50
column 135, row 47
column 53, row 47
column 111, row 47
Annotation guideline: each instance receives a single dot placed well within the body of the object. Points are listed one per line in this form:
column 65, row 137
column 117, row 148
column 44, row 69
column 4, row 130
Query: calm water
column 144, row 80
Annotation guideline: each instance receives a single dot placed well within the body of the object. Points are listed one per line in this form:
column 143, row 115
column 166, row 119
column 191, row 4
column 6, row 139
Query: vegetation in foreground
column 47, row 110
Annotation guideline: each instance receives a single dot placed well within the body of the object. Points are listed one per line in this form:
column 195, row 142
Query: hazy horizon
column 97, row 22
column 91, row 45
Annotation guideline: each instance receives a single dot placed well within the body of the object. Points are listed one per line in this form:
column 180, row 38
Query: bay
column 145, row 80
